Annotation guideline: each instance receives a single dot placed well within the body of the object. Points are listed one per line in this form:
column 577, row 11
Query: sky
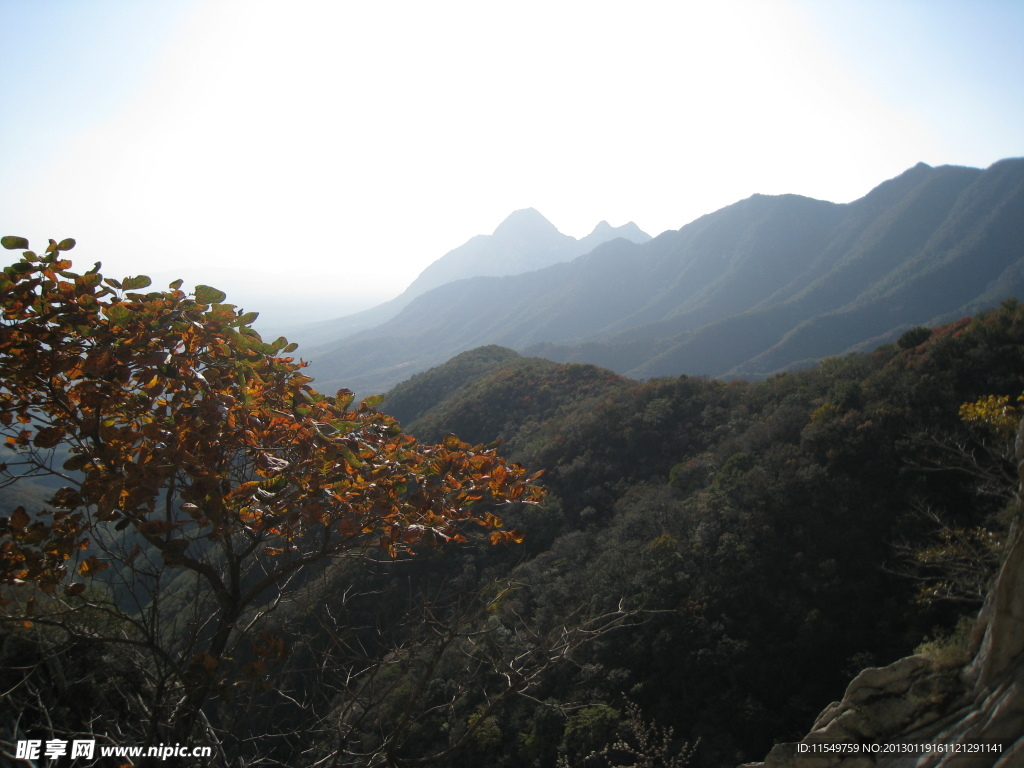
column 312, row 157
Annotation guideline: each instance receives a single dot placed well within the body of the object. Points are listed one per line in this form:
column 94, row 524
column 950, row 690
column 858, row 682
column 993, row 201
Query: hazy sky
column 333, row 149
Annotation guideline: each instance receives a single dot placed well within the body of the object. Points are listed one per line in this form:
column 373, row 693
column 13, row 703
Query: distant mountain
column 768, row 283
column 523, row 242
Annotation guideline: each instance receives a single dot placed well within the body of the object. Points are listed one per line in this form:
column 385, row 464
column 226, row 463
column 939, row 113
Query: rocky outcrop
column 888, row 712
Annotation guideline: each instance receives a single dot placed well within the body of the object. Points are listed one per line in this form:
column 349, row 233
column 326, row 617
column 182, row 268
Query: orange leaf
column 92, row 566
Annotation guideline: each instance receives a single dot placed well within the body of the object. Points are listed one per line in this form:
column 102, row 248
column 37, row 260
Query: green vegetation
column 949, row 648
column 713, row 562
column 778, row 535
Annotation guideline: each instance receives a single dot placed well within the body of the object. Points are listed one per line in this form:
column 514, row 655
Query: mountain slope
column 523, row 242
column 764, row 284
column 757, row 521
column 488, row 393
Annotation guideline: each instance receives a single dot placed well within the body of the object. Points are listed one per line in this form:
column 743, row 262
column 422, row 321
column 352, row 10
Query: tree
column 959, row 562
column 915, row 337
column 201, row 476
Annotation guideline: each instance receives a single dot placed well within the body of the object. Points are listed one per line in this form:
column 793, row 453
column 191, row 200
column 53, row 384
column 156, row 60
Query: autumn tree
column 192, row 454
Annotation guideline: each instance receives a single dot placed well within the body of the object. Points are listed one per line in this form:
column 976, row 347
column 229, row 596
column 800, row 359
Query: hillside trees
column 202, row 480
column 763, row 526
column 959, row 562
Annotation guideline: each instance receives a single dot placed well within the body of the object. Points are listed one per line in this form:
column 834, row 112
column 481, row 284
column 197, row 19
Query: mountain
column 784, row 534
column 765, row 284
column 523, row 242
column 487, row 393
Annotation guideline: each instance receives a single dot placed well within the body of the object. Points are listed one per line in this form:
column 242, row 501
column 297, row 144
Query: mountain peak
column 757, row 287
column 525, row 220
column 604, row 232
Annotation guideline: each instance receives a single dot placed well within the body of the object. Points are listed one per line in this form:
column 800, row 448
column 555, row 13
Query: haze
column 319, row 155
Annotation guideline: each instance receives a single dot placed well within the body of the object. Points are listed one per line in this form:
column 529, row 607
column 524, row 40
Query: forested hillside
column 298, row 581
column 766, row 284
column 779, row 535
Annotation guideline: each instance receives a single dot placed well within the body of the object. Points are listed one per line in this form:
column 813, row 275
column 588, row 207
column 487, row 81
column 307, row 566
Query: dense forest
column 779, row 535
column 713, row 560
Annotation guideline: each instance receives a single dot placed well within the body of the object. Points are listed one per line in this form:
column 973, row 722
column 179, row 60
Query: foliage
column 994, row 412
column 914, row 337
column 409, row 400
column 531, row 390
column 957, row 563
column 588, row 729
column 950, row 648
column 187, row 445
column 755, row 526
column 714, row 560
column 641, row 745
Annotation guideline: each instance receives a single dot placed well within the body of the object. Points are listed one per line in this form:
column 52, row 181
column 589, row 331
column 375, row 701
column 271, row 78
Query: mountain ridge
column 524, row 241
column 613, row 448
column 759, row 286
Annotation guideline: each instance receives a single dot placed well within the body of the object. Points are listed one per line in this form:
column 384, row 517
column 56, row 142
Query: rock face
column 916, row 701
